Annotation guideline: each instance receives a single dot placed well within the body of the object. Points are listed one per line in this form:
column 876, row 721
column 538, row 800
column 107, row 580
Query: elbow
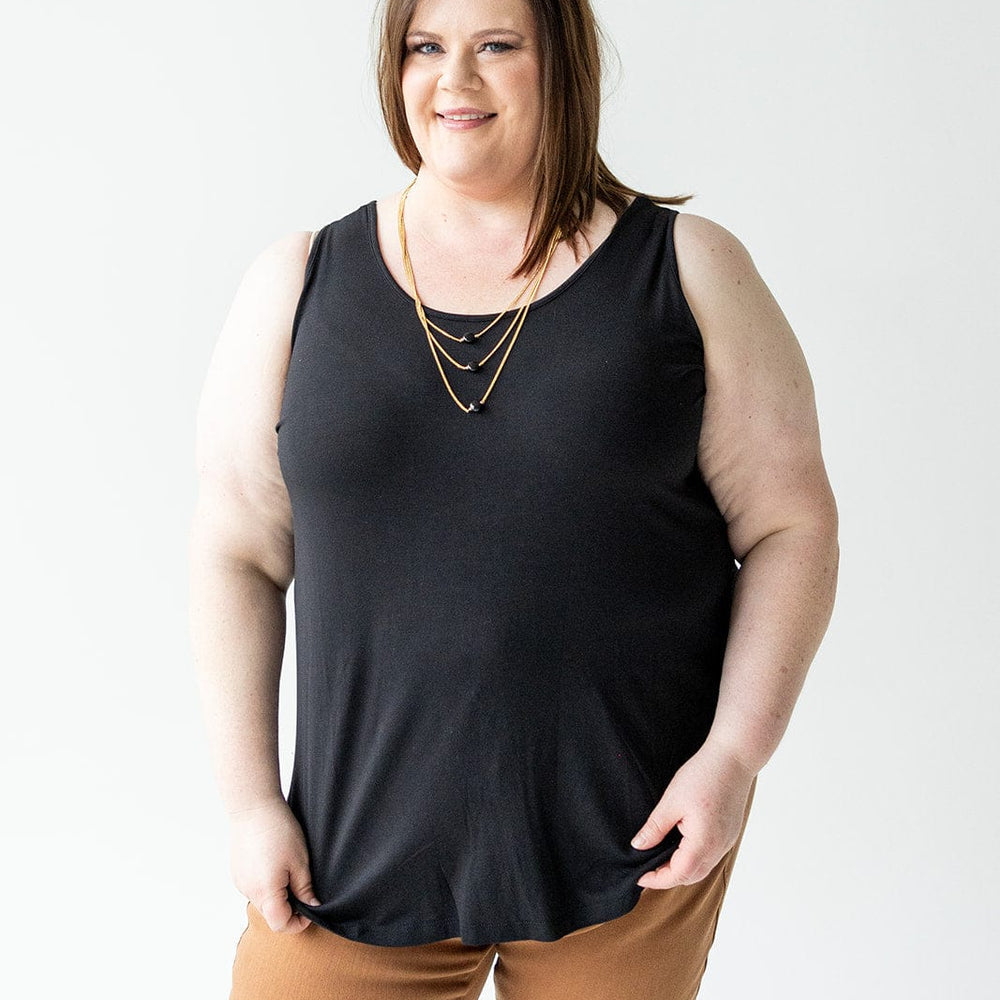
column 823, row 519
column 817, row 538
column 219, row 543
column 819, row 530
column 813, row 527
column 828, row 522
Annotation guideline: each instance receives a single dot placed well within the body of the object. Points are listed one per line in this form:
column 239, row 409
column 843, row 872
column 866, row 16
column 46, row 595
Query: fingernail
column 639, row 839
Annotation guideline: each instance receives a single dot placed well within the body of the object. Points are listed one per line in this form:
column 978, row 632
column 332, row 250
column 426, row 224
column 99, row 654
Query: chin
column 471, row 172
column 464, row 171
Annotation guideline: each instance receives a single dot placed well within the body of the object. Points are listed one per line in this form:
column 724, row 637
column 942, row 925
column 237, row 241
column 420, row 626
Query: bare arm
column 760, row 455
column 241, row 553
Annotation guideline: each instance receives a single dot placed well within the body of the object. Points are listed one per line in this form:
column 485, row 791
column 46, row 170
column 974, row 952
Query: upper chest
column 474, row 278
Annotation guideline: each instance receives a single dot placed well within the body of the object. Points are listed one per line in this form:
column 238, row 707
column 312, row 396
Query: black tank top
column 510, row 624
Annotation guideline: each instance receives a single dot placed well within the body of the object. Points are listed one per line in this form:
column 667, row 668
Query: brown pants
column 656, row 951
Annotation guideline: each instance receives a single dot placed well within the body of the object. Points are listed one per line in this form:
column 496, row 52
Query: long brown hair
column 570, row 175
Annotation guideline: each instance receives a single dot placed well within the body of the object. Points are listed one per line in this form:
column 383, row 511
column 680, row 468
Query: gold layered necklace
column 438, row 351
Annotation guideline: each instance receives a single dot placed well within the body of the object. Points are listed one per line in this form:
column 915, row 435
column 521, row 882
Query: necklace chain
column 515, row 325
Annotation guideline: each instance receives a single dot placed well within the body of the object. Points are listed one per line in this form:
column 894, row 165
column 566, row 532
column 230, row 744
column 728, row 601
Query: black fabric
column 509, row 624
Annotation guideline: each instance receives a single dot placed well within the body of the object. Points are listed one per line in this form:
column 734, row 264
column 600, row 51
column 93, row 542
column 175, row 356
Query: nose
column 459, row 72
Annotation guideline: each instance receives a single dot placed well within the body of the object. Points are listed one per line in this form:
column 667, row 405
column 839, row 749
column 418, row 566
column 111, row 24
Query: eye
column 433, row 48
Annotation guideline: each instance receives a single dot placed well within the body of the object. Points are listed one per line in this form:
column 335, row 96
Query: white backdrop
column 152, row 150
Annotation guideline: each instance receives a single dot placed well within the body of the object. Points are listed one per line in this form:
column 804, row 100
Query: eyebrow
column 479, row 34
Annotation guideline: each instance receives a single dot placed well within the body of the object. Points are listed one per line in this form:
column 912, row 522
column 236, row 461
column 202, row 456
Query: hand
column 268, row 853
column 706, row 799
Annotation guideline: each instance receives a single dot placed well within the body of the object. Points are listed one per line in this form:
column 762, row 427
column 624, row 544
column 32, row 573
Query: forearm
column 237, row 622
column 781, row 608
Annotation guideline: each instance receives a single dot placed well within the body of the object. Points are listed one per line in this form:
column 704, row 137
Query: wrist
column 255, row 807
column 735, row 753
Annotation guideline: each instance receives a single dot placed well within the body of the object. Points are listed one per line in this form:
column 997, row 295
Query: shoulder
column 253, row 345
column 252, row 349
column 709, row 254
column 723, row 288
column 269, row 289
column 280, row 260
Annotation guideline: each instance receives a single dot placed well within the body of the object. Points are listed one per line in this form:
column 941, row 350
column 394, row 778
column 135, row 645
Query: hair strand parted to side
column 570, row 176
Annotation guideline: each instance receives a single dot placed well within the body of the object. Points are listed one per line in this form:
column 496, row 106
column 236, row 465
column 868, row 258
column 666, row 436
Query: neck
column 483, row 212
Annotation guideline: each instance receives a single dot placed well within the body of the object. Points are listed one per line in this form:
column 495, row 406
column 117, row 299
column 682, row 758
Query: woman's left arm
column 759, row 453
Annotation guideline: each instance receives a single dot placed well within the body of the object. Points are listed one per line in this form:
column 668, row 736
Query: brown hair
column 569, row 174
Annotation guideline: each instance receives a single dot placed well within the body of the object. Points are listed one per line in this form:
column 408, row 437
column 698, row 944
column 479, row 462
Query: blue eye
column 433, row 48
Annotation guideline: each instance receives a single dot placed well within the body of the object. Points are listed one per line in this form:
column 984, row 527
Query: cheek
column 527, row 82
column 415, row 92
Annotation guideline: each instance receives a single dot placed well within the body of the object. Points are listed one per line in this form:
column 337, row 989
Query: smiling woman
column 545, row 599
column 473, row 96
column 546, row 57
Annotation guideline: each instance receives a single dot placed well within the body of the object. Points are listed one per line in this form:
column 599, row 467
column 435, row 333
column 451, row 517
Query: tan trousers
column 656, row 951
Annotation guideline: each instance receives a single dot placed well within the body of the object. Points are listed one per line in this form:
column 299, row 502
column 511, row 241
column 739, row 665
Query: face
column 471, row 83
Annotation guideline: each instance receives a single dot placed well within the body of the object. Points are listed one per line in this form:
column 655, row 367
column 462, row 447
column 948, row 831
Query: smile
column 464, row 119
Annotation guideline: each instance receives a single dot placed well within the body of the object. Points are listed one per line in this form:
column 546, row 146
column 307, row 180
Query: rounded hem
column 371, row 224
column 384, row 937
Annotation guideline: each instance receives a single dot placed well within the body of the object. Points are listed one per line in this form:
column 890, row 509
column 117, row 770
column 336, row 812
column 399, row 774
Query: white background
column 152, row 150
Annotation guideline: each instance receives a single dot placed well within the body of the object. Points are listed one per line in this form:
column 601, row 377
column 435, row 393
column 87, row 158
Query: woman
column 564, row 547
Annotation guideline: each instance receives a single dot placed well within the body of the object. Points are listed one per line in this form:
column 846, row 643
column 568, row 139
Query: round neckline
column 372, row 224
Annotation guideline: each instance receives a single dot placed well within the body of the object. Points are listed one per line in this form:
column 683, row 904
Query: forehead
column 471, row 15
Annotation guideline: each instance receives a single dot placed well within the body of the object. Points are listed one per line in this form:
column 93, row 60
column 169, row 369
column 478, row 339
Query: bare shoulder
column 253, row 347
column 279, row 267
column 733, row 306
column 714, row 265
column 698, row 232
column 241, row 491
column 270, row 284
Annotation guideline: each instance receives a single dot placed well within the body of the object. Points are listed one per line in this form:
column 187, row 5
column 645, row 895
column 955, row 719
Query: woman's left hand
column 706, row 800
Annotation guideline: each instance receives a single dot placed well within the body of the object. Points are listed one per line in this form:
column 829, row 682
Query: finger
column 658, row 824
column 301, row 885
column 276, row 909
column 297, row 924
column 689, row 864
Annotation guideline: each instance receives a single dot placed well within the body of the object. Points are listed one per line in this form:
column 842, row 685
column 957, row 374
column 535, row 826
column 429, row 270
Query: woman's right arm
column 241, row 565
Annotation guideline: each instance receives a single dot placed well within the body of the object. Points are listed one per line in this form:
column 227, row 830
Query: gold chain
column 515, row 325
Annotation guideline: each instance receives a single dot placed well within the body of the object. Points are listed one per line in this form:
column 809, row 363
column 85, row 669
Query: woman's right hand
column 267, row 855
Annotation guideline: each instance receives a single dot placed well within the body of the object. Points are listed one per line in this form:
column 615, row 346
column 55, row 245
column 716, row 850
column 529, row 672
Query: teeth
column 464, row 118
